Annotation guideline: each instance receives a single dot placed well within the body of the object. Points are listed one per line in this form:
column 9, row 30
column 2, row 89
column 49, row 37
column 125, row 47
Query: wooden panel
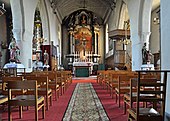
column 119, row 58
column 156, row 58
column 119, row 34
column 54, row 63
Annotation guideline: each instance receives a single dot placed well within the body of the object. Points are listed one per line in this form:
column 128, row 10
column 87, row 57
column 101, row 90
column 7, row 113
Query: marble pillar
column 71, row 41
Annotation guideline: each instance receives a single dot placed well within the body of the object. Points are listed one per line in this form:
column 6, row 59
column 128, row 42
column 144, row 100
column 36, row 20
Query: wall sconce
column 125, row 41
column 156, row 21
column 2, row 10
column 4, row 45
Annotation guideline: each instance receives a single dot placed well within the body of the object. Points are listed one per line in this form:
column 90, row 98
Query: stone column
column 136, row 52
column 95, row 44
column 18, row 34
column 23, row 23
column 71, row 42
column 140, row 14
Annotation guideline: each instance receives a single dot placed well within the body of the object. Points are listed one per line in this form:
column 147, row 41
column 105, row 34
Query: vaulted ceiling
column 99, row 7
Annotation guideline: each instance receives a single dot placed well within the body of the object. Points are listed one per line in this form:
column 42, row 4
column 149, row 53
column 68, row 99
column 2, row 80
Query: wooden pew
column 25, row 100
column 5, row 80
column 53, row 83
column 129, row 98
column 156, row 95
column 43, row 89
column 123, row 86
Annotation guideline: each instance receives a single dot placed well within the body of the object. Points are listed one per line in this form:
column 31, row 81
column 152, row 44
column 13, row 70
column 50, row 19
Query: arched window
column 107, row 38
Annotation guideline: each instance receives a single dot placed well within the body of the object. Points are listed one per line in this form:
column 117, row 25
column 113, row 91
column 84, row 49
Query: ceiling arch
column 99, row 7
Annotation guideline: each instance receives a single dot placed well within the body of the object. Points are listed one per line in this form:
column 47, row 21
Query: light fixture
column 125, row 40
column 156, row 20
column 4, row 45
column 2, row 10
column 126, row 26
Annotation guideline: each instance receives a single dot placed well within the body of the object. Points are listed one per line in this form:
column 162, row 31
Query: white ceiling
column 99, row 7
column 155, row 4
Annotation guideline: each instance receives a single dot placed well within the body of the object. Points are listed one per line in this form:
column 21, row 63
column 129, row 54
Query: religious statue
column 146, row 55
column 12, row 48
column 14, row 51
column 17, row 54
column 46, row 58
column 83, row 20
column 37, row 65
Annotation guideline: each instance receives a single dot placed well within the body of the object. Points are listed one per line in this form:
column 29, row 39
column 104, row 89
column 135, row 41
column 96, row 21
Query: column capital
column 144, row 36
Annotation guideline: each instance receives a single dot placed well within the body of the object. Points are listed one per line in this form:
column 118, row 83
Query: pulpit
column 82, row 69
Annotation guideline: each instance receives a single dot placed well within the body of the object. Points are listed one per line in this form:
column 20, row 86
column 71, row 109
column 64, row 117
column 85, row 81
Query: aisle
column 85, row 105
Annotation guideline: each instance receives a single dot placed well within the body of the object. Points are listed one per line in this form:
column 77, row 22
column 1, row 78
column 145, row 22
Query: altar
column 82, row 69
column 14, row 69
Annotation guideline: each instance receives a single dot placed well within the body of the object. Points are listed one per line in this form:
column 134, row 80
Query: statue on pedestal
column 14, row 51
column 37, row 64
column 146, row 55
column 46, row 58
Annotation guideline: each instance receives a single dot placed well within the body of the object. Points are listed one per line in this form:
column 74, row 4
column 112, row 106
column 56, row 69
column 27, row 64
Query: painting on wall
column 83, row 39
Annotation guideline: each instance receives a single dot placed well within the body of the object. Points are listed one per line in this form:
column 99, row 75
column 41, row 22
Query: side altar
column 82, row 69
column 13, row 68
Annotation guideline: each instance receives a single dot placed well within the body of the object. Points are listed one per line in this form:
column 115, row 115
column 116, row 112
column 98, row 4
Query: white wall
column 55, row 30
column 106, row 38
column 113, row 20
column 54, row 25
column 101, row 50
column 165, row 45
column 155, row 34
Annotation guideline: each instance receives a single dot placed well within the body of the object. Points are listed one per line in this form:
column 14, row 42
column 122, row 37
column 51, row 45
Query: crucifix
column 84, row 45
column 84, row 4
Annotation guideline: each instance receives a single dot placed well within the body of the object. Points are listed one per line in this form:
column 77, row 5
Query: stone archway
column 23, row 20
column 140, row 14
